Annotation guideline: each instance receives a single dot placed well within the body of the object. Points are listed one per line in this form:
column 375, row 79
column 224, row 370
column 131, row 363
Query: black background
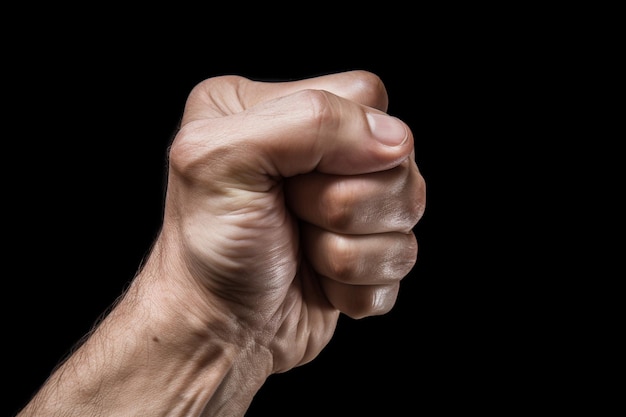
column 90, row 120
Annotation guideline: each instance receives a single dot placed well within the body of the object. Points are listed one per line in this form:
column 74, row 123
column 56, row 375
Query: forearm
column 150, row 357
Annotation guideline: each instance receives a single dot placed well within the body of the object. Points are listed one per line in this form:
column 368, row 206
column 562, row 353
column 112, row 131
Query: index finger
column 360, row 86
column 230, row 94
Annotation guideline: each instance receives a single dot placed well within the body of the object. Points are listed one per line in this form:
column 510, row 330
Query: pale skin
column 287, row 204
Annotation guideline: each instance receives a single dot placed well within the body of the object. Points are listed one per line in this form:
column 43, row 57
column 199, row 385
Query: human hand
column 287, row 204
column 292, row 202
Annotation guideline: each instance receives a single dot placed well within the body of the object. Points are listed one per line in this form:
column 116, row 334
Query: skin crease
column 283, row 210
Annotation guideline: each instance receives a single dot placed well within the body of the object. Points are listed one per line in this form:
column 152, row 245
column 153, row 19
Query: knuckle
column 418, row 201
column 384, row 298
column 414, row 202
column 218, row 83
column 409, row 258
column 399, row 260
column 342, row 260
column 320, row 113
column 183, row 152
column 338, row 205
column 372, row 301
column 369, row 88
column 191, row 154
column 402, row 201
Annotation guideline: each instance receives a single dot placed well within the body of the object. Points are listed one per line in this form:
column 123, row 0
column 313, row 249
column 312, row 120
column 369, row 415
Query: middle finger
column 380, row 202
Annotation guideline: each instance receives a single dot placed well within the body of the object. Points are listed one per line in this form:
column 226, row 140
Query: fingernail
column 387, row 129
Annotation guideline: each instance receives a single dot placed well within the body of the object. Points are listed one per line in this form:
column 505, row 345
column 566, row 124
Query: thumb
column 308, row 130
column 315, row 130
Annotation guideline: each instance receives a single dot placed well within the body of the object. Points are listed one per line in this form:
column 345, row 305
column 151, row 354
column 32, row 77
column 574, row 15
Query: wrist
column 204, row 354
column 154, row 354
